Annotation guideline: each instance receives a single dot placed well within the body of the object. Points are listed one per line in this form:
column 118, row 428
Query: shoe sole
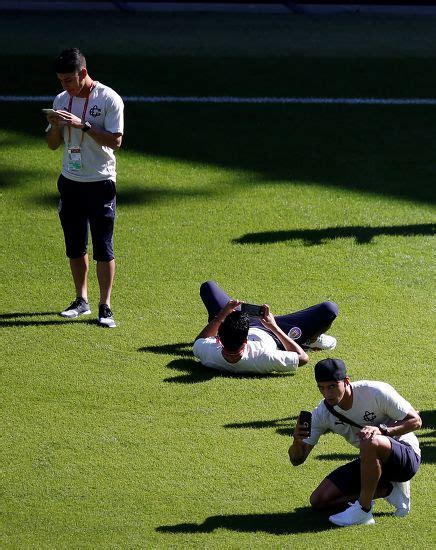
column 107, row 325
column 75, row 315
column 370, row 522
column 401, row 513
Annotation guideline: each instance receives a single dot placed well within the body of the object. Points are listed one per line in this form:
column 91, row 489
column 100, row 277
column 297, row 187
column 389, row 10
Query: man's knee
column 318, row 499
column 325, row 494
column 205, row 288
column 331, row 309
column 378, row 447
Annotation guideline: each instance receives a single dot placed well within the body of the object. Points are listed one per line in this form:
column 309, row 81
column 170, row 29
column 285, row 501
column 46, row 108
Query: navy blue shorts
column 84, row 205
column 301, row 325
column 402, row 465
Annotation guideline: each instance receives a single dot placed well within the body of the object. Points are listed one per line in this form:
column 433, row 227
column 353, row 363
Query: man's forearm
column 105, row 138
column 53, row 137
column 289, row 344
column 211, row 329
column 409, row 424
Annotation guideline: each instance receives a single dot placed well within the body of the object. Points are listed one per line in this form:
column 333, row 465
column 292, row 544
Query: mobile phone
column 252, row 310
column 305, row 420
column 49, row 111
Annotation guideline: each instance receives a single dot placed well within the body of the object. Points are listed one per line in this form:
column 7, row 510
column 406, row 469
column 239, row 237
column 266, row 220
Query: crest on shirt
column 95, row 111
column 295, row 333
column 369, row 416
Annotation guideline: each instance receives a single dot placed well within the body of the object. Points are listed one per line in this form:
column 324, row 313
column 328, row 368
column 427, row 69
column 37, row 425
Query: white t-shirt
column 105, row 110
column 260, row 355
column 374, row 403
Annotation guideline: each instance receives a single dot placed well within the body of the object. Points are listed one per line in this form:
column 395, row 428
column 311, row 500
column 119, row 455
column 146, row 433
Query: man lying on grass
column 375, row 418
column 237, row 343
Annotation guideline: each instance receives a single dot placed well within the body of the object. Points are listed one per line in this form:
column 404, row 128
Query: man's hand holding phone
column 303, row 426
column 53, row 117
column 252, row 310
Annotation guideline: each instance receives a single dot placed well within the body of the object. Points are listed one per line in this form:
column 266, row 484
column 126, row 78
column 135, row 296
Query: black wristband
column 86, row 127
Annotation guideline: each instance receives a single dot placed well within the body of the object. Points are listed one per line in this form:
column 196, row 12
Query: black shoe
column 76, row 308
column 105, row 316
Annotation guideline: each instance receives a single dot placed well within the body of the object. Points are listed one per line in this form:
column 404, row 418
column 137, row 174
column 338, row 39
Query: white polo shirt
column 374, row 403
column 105, row 110
column 260, row 355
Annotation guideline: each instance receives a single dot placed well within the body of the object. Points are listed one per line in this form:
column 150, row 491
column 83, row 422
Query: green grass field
column 119, row 439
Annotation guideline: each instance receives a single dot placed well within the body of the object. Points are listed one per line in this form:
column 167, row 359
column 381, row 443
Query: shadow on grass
column 195, row 371
column 338, row 456
column 282, row 426
column 12, row 177
column 310, row 237
column 386, row 151
column 181, row 349
column 18, row 319
column 301, row 520
column 427, row 440
column 132, row 196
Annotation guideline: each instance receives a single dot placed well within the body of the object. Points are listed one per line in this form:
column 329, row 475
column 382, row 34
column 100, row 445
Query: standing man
column 373, row 417
column 89, row 121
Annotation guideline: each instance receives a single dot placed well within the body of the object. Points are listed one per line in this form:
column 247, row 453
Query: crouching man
column 375, row 418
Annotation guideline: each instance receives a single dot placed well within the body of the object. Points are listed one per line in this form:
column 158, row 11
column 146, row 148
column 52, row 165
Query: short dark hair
column 233, row 331
column 69, row 61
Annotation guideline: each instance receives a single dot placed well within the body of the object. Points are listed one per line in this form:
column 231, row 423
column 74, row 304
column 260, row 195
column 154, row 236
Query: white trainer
column 353, row 515
column 76, row 308
column 105, row 316
column 400, row 498
column 323, row 342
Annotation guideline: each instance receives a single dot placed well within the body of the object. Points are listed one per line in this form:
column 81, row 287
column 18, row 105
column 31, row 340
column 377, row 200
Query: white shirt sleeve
column 391, row 402
column 114, row 120
column 201, row 347
column 280, row 361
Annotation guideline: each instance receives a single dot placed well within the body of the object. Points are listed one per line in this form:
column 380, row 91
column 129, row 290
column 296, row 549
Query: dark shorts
column 84, row 205
column 402, row 465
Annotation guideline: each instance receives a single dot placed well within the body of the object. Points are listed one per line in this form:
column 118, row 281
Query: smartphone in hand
column 252, row 310
column 49, row 111
column 305, row 421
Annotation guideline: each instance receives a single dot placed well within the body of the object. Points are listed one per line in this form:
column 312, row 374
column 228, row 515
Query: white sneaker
column 400, row 498
column 353, row 515
column 105, row 316
column 323, row 342
column 76, row 308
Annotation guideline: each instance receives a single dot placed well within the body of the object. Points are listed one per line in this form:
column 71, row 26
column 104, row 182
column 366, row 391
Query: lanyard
column 70, row 104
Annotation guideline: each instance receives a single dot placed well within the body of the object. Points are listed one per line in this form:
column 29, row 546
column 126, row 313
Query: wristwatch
column 384, row 429
column 86, row 127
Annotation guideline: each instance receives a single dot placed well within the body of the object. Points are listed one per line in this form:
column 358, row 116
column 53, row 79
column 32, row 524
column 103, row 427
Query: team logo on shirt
column 295, row 333
column 95, row 111
column 369, row 416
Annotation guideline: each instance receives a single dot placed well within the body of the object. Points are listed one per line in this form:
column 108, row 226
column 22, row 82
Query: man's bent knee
column 379, row 446
column 331, row 308
column 324, row 494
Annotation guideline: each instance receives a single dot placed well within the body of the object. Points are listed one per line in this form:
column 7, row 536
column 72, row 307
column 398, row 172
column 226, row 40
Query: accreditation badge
column 74, row 159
